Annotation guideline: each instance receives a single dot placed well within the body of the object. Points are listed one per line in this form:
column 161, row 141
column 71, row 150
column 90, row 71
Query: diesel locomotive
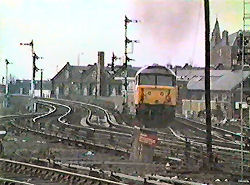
column 155, row 96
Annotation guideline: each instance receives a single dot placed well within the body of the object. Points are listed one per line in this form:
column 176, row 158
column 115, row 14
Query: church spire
column 215, row 34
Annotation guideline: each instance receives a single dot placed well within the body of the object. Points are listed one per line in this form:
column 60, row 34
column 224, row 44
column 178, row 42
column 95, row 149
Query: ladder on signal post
column 245, row 34
column 244, row 39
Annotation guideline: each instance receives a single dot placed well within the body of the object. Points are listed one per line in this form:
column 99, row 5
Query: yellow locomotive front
column 155, row 96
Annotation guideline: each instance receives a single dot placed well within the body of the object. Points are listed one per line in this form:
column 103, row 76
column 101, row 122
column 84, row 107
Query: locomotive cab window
column 165, row 80
column 147, row 80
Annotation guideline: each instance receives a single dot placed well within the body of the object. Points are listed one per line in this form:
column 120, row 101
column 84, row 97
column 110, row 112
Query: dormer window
column 66, row 74
column 94, row 75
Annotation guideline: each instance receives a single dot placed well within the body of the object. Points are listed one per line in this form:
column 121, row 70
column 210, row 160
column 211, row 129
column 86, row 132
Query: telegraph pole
column 207, row 82
column 41, row 84
column 127, row 59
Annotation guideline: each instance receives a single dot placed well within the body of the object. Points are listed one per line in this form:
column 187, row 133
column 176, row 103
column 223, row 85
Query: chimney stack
column 100, row 81
column 225, row 37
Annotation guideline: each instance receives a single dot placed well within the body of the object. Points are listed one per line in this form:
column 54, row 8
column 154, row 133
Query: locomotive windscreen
column 147, row 80
column 162, row 80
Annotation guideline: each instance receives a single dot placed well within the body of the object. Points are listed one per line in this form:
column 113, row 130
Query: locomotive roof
column 155, row 69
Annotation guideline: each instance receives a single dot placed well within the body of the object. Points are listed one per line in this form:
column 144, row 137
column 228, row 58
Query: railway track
column 222, row 132
column 112, row 123
column 104, row 129
column 163, row 137
column 40, row 173
column 54, row 174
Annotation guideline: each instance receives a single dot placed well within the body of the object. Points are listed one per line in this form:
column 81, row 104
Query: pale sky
column 170, row 31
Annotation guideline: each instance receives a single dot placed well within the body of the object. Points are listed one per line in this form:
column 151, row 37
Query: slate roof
column 77, row 71
column 47, row 85
column 118, row 68
column 232, row 37
column 220, row 80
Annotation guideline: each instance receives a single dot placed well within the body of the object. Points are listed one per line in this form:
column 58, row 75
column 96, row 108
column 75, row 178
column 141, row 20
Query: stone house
column 91, row 80
column 2, row 88
column 225, row 90
column 224, row 49
column 23, row 87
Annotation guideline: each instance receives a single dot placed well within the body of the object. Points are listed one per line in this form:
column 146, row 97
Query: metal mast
column 125, row 96
column 127, row 59
column 33, row 64
column 246, row 16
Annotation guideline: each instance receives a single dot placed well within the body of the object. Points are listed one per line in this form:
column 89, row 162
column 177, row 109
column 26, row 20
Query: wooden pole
column 207, row 81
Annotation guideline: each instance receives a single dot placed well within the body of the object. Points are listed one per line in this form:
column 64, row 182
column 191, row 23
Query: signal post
column 125, row 65
column 144, row 142
column 34, row 70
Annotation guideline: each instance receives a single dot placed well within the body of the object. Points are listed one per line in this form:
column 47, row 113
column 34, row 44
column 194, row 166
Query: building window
column 109, row 90
column 216, row 97
column 94, row 75
column 66, row 91
column 203, row 97
column 224, row 97
column 66, row 74
column 90, row 89
column 234, row 61
column 119, row 89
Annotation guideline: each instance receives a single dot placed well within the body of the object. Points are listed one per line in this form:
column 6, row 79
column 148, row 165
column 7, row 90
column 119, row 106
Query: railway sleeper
column 16, row 168
column 59, row 177
column 48, row 175
column 21, row 170
column 44, row 173
column 28, row 170
column 8, row 167
column 34, row 171
column 55, row 178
